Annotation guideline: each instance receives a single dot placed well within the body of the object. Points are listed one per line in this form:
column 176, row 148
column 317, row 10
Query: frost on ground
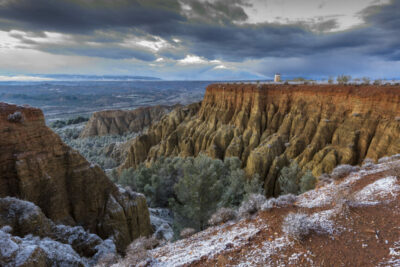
column 394, row 256
column 207, row 243
column 374, row 193
column 328, row 194
column 262, row 256
column 28, row 238
column 34, row 251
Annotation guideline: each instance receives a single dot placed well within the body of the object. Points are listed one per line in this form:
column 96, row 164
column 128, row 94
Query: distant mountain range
column 98, row 77
column 76, row 77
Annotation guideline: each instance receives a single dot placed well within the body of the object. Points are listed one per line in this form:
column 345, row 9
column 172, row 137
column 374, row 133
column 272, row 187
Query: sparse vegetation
column 366, row 80
column 342, row 171
column 280, row 202
column 297, row 226
column 343, row 79
column 251, row 205
column 222, row 215
column 63, row 123
column 186, row 232
column 137, row 252
column 92, row 148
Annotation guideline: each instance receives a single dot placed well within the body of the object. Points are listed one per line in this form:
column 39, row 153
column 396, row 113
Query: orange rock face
column 35, row 165
column 266, row 126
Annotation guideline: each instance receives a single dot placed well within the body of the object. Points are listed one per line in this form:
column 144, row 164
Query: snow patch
column 327, row 195
column 374, row 193
column 207, row 243
column 262, row 256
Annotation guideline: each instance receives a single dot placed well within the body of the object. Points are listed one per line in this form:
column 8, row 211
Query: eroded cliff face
column 38, row 167
column 117, row 122
column 266, row 126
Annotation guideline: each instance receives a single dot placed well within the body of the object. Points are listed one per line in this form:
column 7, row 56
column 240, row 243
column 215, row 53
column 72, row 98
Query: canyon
column 268, row 126
column 60, row 186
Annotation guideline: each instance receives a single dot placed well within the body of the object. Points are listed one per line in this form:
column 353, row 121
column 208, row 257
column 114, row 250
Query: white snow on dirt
column 326, row 195
column 262, row 256
column 374, row 193
column 394, row 253
column 207, row 243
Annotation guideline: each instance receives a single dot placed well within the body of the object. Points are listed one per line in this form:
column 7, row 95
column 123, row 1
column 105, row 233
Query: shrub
column 343, row 170
column 307, row 182
column 343, row 79
column 136, row 253
column 254, row 186
column 368, row 163
column 186, row 232
column 366, row 80
column 297, row 226
column 15, row 117
column 251, row 205
column 378, row 82
column 289, row 179
column 280, row 202
column 222, row 215
column 324, row 179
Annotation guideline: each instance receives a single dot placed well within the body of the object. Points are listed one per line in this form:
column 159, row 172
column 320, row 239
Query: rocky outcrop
column 117, row 122
column 29, row 238
column 266, row 126
column 38, row 167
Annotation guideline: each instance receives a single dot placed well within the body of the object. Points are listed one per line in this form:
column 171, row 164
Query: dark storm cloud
column 207, row 29
column 88, row 15
column 217, row 11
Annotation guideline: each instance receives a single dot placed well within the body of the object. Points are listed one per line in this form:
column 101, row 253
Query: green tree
column 343, row 79
column 307, row 182
column 289, row 179
column 366, row 80
column 292, row 180
column 197, row 193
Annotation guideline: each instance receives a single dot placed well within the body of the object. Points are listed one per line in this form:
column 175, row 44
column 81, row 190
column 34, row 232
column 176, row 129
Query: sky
column 201, row 39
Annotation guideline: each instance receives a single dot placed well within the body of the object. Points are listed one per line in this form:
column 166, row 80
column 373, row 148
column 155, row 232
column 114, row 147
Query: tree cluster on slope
column 194, row 188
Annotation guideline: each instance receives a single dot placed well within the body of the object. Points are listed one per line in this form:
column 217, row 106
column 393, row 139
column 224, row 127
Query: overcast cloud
column 200, row 39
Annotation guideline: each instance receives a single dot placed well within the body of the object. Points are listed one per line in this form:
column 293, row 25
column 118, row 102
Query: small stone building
column 277, row 78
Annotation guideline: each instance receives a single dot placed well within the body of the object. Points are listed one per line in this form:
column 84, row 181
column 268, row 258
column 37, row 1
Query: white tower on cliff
column 277, row 78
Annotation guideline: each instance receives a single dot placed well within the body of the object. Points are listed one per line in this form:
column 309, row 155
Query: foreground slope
column 266, row 126
column 351, row 222
column 38, row 167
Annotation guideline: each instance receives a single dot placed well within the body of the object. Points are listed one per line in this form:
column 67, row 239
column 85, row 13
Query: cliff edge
column 266, row 126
